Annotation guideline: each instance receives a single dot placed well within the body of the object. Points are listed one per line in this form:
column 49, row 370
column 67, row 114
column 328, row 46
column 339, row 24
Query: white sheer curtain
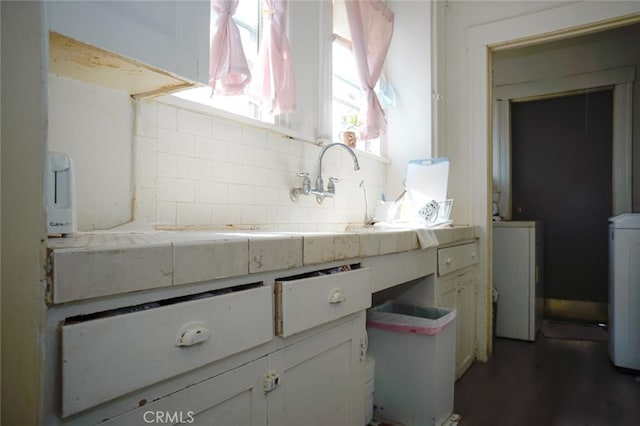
column 273, row 85
column 371, row 26
column 228, row 70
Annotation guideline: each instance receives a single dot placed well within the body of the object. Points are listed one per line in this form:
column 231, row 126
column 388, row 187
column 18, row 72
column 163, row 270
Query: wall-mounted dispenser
column 60, row 194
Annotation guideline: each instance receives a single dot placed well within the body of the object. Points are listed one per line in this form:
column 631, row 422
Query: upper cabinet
column 169, row 38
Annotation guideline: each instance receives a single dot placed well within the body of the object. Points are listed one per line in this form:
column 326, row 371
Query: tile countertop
column 88, row 265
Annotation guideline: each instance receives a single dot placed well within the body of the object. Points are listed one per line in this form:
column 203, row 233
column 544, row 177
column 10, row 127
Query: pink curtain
column 274, row 85
column 228, row 69
column 371, row 26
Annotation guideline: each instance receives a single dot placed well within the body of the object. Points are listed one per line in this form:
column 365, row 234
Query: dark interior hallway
column 549, row 382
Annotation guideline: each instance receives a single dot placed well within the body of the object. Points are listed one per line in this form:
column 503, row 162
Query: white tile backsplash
column 194, row 123
column 167, row 117
column 227, row 172
column 167, row 165
column 212, row 149
column 226, row 130
column 254, row 136
column 166, row 213
column 211, row 192
column 174, row 142
column 179, row 190
column 254, row 214
column 242, row 154
column 188, row 214
column 241, row 194
column 190, row 168
column 226, row 214
column 210, row 171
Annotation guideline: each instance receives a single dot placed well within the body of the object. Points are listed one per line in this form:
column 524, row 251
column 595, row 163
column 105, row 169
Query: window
column 347, row 97
column 248, row 19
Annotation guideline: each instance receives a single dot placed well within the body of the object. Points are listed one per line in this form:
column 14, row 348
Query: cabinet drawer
column 454, row 258
column 308, row 302
column 108, row 357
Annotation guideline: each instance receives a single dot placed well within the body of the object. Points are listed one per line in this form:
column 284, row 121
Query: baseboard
column 576, row 310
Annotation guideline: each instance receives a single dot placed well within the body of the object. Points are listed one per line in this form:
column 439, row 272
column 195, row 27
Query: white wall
column 94, row 126
column 196, row 169
column 409, row 71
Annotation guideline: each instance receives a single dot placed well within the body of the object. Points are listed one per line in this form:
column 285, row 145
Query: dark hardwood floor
column 547, row 383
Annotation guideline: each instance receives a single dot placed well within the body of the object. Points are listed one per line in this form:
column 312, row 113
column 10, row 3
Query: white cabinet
column 518, row 277
column 213, row 358
column 172, row 36
column 320, row 379
column 236, row 397
column 316, row 381
column 455, row 289
column 130, row 351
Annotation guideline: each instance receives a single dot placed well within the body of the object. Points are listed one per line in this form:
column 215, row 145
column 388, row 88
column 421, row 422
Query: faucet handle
column 306, row 182
column 331, row 186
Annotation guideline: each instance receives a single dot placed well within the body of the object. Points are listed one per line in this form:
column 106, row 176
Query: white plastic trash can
column 414, row 347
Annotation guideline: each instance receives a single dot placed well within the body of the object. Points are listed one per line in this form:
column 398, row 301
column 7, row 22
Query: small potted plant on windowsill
column 351, row 124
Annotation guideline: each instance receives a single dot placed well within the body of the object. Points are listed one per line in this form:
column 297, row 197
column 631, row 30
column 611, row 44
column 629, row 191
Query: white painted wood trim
column 572, row 19
column 589, row 80
column 480, row 184
column 325, row 109
column 438, row 80
column 622, row 148
column 502, row 155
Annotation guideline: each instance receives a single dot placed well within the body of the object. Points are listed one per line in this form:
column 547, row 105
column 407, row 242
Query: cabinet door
column 447, row 292
column 457, row 291
column 320, row 379
column 233, row 398
column 466, row 327
column 170, row 35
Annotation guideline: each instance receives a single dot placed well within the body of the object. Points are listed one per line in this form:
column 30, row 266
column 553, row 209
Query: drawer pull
column 336, row 296
column 449, row 260
column 193, row 333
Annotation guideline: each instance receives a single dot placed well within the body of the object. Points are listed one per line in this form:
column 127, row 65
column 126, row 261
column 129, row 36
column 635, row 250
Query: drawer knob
column 449, row 260
column 336, row 296
column 193, row 333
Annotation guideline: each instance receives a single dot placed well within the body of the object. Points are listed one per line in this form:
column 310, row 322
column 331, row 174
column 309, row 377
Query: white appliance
column 60, row 194
column 518, row 277
column 624, row 290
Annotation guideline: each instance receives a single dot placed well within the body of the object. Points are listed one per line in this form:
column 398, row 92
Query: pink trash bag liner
column 407, row 318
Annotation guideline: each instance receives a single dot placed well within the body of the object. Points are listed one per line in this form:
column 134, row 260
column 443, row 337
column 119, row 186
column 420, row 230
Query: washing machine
column 624, row 290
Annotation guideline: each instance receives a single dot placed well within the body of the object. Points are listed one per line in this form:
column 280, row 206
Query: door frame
column 551, row 24
column 621, row 79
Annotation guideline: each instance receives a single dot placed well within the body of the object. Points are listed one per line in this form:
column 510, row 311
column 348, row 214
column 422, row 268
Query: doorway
column 561, row 167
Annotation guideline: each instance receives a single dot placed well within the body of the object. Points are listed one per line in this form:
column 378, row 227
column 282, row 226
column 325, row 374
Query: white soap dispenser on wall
column 60, row 194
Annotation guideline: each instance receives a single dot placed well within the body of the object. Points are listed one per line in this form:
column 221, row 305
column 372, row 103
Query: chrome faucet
column 319, row 190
